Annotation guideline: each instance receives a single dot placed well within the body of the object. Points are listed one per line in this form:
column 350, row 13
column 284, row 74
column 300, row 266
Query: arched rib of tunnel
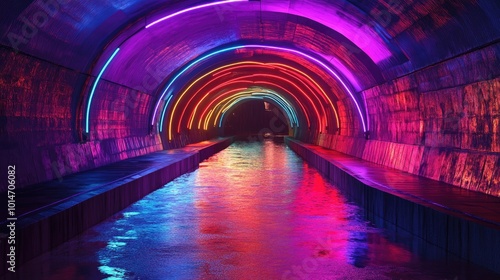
column 230, row 80
column 171, row 92
column 367, row 78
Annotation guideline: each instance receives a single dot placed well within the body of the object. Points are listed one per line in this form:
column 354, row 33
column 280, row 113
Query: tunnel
column 395, row 103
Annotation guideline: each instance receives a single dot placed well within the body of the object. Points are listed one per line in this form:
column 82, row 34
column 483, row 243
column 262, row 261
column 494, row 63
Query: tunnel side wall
column 441, row 122
column 37, row 117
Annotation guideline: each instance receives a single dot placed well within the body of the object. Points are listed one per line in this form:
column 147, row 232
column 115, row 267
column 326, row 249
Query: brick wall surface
column 441, row 122
column 37, row 131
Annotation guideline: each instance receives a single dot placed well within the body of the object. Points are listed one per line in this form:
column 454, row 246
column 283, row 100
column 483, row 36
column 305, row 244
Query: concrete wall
column 441, row 122
column 37, row 119
column 462, row 234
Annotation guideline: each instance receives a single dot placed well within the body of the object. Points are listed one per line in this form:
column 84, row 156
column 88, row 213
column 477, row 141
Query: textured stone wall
column 441, row 122
column 468, row 237
column 37, row 116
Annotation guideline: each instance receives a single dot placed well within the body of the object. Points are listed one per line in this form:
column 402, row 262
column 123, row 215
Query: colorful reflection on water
column 253, row 211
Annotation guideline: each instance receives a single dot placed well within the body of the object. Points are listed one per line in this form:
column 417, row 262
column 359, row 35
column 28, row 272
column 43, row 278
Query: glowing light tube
column 220, row 86
column 232, row 93
column 230, row 101
column 234, row 66
column 284, row 104
column 92, row 91
column 184, row 70
column 163, row 113
column 251, row 90
column 317, row 61
column 219, row 107
column 225, row 70
column 317, row 86
column 192, row 9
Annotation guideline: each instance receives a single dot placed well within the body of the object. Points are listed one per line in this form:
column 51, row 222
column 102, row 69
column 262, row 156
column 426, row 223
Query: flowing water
column 253, row 211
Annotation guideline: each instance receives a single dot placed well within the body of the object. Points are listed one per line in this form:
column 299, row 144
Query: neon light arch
column 287, row 81
column 231, row 93
column 309, row 57
column 277, row 99
column 304, row 12
column 192, row 9
column 304, row 111
column 236, row 103
column 191, row 117
column 218, row 75
column 254, row 83
column 227, row 83
column 223, row 71
column 94, row 87
column 226, row 104
column 200, row 78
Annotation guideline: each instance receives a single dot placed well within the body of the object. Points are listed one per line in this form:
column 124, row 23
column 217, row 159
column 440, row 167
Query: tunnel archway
column 267, row 120
column 329, row 111
column 416, row 77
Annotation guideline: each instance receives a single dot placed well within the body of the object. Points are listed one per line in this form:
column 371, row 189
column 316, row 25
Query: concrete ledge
column 462, row 222
column 44, row 222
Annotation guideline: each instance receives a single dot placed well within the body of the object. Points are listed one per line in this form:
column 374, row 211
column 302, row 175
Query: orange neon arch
column 304, row 111
column 222, row 105
column 223, row 71
column 192, row 116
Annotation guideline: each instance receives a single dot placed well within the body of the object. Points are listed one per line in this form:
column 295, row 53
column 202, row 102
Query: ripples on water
column 253, row 211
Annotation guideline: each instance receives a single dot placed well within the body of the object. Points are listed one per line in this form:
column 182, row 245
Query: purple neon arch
column 307, row 56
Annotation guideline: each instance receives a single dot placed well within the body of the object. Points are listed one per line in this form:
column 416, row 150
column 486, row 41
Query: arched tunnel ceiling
column 153, row 50
column 394, row 34
column 294, row 81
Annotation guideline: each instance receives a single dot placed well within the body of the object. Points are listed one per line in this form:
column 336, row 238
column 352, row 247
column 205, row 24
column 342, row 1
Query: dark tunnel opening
column 255, row 119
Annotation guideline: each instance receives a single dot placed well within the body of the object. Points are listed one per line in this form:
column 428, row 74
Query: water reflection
column 253, row 211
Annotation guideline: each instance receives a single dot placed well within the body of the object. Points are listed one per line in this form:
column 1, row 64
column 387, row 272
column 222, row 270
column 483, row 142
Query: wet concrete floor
column 253, row 211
